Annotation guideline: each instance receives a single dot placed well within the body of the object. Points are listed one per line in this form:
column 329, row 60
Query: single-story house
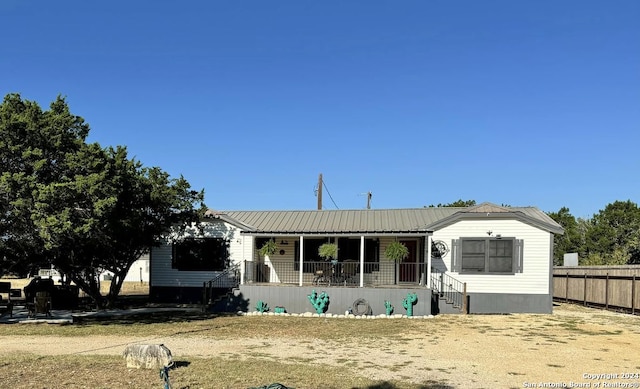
column 479, row 259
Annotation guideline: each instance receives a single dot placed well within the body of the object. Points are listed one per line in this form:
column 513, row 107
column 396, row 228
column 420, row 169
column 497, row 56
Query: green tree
column 458, row 203
column 82, row 208
column 571, row 241
column 106, row 212
column 33, row 147
column 614, row 233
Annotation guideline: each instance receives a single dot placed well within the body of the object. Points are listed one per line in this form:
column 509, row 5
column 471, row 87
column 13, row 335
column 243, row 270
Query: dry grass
column 29, row 371
column 449, row 351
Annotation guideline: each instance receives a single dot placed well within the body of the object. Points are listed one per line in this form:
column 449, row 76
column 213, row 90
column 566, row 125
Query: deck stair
column 451, row 294
column 219, row 292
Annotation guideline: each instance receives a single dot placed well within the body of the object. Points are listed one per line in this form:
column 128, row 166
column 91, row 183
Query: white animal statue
column 147, row 356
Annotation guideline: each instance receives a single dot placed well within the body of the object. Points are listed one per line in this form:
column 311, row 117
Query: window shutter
column 456, row 257
column 519, row 244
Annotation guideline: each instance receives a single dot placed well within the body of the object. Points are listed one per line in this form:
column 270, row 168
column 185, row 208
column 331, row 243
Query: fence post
column 204, row 296
column 465, row 308
column 584, row 292
column 606, row 292
column 633, row 295
column 566, row 289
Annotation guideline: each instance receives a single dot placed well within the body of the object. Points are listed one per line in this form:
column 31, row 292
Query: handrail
column 226, row 276
column 452, row 290
column 229, row 278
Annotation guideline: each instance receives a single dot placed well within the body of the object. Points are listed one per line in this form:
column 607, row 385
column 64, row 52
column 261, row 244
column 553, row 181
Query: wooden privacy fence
column 607, row 287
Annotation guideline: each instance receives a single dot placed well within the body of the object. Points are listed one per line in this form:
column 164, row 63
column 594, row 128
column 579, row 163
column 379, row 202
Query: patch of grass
column 28, row 371
column 232, row 326
column 256, row 368
column 308, row 360
column 574, row 328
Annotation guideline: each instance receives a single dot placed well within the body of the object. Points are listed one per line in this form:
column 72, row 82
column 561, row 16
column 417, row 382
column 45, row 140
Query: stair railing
column 228, row 279
column 453, row 291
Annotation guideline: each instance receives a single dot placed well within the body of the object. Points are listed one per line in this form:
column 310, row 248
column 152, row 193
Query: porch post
column 361, row 261
column 301, row 259
column 429, row 240
column 243, row 267
column 243, row 264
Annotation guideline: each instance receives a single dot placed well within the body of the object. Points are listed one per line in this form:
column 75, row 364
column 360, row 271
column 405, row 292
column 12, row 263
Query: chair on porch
column 322, row 273
column 349, row 271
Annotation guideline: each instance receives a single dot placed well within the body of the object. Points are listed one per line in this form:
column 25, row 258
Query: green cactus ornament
column 319, row 301
column 388, row 307
column 262, row 306
column 408, row 303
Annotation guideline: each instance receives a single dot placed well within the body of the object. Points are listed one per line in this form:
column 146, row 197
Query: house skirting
column 510, row 303
column 294, row 298
column 175, row 294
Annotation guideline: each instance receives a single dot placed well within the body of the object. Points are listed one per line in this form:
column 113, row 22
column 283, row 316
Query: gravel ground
column 569, row 347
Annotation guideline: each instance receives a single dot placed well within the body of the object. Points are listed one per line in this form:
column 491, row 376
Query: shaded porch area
column 335, row 273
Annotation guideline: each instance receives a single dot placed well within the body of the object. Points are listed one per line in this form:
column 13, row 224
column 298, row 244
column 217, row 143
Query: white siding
column 240, row 248
column 283, row 262
column 536, row 257
column 139, row 271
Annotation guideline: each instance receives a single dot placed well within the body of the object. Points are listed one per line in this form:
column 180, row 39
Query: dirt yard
column 572, row 347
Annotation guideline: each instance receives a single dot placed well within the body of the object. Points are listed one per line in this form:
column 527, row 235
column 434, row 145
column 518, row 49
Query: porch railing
column 453, row 291
column 228, row 279
column 345, row 273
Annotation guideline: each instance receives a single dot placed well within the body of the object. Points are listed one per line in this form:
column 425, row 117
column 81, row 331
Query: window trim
column 516, row 258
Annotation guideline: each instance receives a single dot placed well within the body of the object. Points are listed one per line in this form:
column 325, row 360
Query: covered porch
column 361, row 269
column 360, row 280
column 360, row 261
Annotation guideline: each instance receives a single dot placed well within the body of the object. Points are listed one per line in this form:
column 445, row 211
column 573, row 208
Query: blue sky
column 420, row 102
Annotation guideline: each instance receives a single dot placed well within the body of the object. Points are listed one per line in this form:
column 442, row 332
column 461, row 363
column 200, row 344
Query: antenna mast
column 320, row 192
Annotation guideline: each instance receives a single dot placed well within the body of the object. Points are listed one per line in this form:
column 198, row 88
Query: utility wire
column 327, row 189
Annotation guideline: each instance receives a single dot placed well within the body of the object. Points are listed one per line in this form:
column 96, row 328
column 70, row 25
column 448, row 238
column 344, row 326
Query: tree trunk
column 114, row 289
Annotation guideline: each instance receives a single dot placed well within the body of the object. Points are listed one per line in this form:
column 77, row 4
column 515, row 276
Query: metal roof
column 371, row 221
column 529, row 215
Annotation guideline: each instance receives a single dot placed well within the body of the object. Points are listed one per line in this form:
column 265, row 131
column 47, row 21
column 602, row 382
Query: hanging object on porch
column 439, row 249
column 396, row 251
column 268, row 248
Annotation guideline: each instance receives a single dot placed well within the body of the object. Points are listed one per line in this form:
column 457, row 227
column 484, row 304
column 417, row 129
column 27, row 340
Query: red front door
column 408, row 266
